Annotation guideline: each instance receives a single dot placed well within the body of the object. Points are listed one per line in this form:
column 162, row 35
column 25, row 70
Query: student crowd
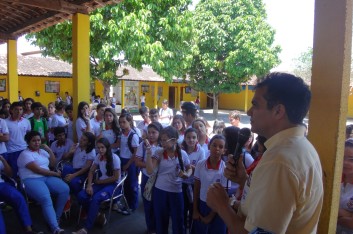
column 37, row 145
column 38, row 149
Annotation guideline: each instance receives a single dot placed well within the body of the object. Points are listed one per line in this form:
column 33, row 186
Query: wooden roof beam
column 5, row 36
column 54, row 5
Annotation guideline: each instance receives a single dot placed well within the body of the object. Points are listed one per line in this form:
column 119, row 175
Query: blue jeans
column 216, row 226
column 13, row 197
column 77, row 182
column 11, row 158
column 101, row 192
column 131, row 186
column 148, row 207
column 40, row 189
column 165, row 204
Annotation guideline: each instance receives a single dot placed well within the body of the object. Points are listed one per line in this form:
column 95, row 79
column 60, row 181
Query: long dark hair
column 115, row 123
column 108, row 155
column 91, row 141
column 81, row 105
column 172, row 132
column 183, row 144
column 158, row 127
column 128, row 118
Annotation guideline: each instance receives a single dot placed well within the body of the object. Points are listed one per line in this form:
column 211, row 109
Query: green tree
column 153, row 32
column 303, row 64
column 233, row 43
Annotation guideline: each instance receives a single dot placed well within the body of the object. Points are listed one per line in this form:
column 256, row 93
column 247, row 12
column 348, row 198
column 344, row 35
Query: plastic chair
column 118, row 193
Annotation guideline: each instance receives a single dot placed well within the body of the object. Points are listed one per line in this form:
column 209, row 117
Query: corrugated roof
column 38, row 66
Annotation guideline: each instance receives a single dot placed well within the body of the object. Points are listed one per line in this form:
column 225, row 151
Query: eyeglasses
column 165, row 141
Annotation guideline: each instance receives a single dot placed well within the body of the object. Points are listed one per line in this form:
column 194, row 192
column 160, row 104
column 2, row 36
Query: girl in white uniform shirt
column 83, row 123
column 196, row 154
column 128, row 159
column 178, row 122
column 40, row 182
column 209, row 171
column 109, row 166
column 173, row 166
column 58, row 119
column 82, row 156
column 152, row 141
column 201, row 126
column 345, row 212
column 110, row 129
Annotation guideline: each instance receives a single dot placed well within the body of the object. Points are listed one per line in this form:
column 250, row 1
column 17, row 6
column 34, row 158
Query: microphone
column 244, row 135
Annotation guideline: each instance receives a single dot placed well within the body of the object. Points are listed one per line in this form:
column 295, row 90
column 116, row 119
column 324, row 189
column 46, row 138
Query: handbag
column 147, row 192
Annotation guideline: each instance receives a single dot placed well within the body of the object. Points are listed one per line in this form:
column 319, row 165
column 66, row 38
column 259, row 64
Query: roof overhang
column 19, row 17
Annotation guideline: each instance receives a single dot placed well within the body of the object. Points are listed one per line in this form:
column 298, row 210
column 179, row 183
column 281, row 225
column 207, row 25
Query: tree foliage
column 152, row 32
column 233, row 42
column 303, row 64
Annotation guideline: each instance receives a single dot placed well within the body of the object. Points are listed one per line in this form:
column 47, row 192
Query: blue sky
column 292, row 20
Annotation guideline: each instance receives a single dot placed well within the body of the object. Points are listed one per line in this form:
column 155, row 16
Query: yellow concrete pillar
column 12, row 75
column 123, row 94
column 80, row 59
column 155, row 99
column 246, row 99
column 329, row 85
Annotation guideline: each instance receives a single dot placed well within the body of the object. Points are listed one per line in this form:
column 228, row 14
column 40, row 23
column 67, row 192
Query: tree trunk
column 215, row 105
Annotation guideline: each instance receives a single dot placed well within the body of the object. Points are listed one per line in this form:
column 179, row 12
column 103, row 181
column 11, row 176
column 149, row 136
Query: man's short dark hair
column 189, row 108
column 143, row 110
column 36, row 105
column 58, row 130
column 153, row 111
column 68, row 108
column 288, row 90
column 14, row 104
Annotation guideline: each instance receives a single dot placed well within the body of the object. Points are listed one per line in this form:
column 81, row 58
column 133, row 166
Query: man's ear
column 279, row 111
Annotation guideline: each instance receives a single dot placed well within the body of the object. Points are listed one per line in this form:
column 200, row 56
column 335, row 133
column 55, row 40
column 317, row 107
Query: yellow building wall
column 235, row 101
column 29, row 84
column 99, row 88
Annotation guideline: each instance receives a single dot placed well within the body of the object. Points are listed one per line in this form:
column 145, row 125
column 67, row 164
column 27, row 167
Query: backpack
column 129, row 140
column 45, row 125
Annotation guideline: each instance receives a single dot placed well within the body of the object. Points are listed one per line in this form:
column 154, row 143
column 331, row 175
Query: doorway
column 171, row 97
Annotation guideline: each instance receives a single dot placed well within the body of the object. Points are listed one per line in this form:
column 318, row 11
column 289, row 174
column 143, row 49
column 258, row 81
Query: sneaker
column 81, row 231
column 125, row 211
column 101, row 220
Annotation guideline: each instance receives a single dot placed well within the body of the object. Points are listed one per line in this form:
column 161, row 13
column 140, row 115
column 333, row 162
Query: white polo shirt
column 81, row 157
column 140, row 156
column 102, row 166
column 207, row 176
column 58, row 121
column 168, row 170
column 124, row 148
column 195, row 156
column 111, row 137
column 17, row 132
column 96, row 126
column 41, row 158
column 3, row 130
column 80, row 127
column 59, row 151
